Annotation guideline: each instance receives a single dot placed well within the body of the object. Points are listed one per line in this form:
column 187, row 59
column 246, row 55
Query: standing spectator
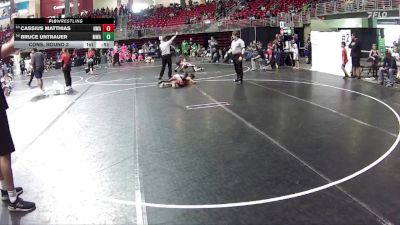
column 38, row 63
column 344, row 60
column 395, row 46
column 213, row 45
column 280, row 50
column 66, row 68
column 355, row 56
column 22, row 66
column 271, row 56
column 11, row 65
column 90, row 59
column 30, row 70
column 116, row 51
column 185, row 48
column 190, row 43
column 295, row 51
column 309, row 50
column 297, row 40
column 374, row 55
column 8, row 190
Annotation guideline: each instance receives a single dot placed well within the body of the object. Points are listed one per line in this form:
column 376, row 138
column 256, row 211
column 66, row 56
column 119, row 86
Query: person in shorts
column 344, row 60
column 90, row 59
column 9, row 192
column 38, row 64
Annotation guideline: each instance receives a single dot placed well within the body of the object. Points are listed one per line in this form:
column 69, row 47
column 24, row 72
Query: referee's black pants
column 115, row 59
column 166, row 59
column 238, row 67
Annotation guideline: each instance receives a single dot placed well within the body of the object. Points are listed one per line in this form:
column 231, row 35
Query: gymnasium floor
column 287, row 147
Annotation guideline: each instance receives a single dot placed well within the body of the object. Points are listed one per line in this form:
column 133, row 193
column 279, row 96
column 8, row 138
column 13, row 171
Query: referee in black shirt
column 8, row 190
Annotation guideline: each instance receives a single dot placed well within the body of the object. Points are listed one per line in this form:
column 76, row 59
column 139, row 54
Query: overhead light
column 139, row 6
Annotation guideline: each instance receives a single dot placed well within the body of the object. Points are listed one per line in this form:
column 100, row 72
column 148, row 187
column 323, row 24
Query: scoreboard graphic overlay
column 64, row 33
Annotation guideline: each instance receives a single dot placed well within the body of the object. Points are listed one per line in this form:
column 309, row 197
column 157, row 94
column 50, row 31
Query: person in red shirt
column 90, row 59
column 344, row 60
column 66, row 68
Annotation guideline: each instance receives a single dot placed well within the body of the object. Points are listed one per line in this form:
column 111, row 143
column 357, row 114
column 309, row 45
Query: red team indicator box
column 108, row 27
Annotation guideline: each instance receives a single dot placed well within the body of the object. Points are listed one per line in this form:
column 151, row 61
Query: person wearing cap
column 237, row 50
column 165, row 47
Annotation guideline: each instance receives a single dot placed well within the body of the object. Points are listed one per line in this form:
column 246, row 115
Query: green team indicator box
column 108, row 36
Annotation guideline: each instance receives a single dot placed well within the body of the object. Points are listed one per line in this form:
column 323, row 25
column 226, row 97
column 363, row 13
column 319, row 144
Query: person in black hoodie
column 355, row 54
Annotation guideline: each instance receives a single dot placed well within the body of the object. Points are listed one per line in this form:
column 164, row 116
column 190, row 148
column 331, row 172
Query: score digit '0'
column 108, row 27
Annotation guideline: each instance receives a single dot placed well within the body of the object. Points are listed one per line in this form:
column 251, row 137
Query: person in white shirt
column 237, row 50
column 295, row 51
column 165, row 47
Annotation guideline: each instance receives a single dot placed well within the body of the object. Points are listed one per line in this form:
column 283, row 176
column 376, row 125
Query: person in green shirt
column 195, row 48
column 185, row 48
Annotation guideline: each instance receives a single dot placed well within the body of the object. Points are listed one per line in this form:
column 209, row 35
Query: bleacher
column 162, row 17
column 254, row 8
column 5, row 35
column 175, row 16
column 224, row 39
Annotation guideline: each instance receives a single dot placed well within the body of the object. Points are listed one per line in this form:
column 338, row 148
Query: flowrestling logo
column 382, row 14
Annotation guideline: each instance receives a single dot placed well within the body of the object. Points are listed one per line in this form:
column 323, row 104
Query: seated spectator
column 187, row 20
column 258, row 57
column 390, row 67
column 250, row 51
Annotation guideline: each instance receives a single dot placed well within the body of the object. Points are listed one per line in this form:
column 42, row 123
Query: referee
column 165, row 47
column 9, row 192
column 237, row 50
